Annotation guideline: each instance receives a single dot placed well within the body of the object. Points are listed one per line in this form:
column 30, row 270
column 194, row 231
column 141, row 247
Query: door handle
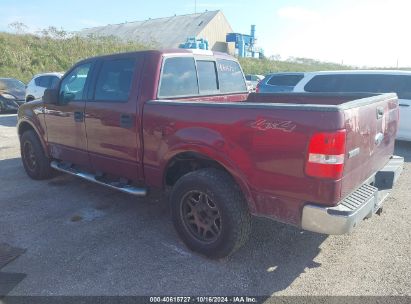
column 404, row 105
column 126, row 121
column 78, row 116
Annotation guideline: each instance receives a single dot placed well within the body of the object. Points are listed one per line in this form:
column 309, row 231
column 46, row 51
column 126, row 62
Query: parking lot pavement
column 84, row 239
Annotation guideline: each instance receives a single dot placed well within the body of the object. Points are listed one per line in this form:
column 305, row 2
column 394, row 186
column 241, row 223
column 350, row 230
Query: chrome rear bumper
column 360, row 204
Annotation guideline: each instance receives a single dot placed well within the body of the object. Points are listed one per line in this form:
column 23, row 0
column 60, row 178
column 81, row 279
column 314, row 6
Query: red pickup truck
column 182, row 121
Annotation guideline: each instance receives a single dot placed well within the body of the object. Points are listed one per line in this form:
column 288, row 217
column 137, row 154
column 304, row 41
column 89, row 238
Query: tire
column 225, row 223
column 35, row 161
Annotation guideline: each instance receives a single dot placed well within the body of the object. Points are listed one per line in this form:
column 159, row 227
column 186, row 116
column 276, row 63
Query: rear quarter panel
column 262, row 146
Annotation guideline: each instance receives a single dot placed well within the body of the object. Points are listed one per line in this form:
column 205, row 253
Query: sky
column 364, row 33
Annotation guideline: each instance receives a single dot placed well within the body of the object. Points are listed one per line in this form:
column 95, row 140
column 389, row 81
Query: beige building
column 170, row 32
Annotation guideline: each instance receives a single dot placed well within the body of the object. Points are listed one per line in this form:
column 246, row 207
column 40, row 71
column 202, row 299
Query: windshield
column 11, row 85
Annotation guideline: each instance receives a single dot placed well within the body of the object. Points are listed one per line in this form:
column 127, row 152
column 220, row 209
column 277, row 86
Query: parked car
column 39, row 83
column 182, row 121
column 365, row 81
column 252, row 81
column 11, row 94
column 279, row 82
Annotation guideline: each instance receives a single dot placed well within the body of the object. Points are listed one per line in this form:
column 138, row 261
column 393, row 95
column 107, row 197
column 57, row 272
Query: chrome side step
column 90, row 177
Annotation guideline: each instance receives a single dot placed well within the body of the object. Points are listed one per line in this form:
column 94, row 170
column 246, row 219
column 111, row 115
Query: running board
column 90, row 177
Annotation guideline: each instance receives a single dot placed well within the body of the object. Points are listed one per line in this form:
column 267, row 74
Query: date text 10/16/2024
column 235, row 299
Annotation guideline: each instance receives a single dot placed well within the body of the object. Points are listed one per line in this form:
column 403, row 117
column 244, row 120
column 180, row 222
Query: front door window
column 72, row 86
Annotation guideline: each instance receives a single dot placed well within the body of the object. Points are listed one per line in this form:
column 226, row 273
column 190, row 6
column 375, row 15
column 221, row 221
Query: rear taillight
column 326, row 153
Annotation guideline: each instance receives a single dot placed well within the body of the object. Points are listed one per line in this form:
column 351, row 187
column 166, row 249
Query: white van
column 365, row 81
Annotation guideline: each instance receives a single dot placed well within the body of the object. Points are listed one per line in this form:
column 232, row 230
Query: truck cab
column 100, row 100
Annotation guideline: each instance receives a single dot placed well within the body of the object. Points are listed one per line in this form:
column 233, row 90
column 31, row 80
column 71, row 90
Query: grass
column 52, row 50
column 25, row 55
column 265, row 66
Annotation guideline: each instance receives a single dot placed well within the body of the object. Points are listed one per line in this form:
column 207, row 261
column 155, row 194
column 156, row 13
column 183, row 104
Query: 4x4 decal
column 264, row 125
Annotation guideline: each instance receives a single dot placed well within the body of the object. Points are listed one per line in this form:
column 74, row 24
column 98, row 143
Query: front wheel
column 210, row 213
column 35, row 161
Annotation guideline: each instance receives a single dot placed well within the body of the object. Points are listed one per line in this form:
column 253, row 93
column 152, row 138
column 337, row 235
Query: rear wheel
column 35, row 161
column 210, row 213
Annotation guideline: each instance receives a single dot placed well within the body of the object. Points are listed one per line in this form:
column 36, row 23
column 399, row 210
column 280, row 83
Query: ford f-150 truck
column 182, row 121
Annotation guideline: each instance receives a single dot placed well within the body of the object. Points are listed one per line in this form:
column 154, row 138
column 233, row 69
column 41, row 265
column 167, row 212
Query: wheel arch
column 24, row 126
column 181, row 162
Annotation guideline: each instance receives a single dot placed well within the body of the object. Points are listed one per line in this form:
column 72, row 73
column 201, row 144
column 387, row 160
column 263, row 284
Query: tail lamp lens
column 326, row 154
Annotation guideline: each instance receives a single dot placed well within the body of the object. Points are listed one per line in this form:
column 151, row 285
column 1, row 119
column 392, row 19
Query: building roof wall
column 166, row 32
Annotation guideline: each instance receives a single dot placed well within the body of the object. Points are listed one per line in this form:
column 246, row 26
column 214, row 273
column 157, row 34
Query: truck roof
column 165, row 52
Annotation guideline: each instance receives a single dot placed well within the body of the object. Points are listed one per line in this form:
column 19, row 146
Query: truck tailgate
column 371, row 131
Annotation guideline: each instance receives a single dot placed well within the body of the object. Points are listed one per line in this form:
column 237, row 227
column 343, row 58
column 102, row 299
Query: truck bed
column 264, row 140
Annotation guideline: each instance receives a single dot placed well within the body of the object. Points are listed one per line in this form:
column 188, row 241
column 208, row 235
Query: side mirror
column 51, row 96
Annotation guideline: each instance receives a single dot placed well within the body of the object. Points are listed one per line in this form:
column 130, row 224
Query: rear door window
column 404, row 87
column 43, row 81
column 207, row 77
column 179, row 78
column 324, row 83
column 37, row 81
column 54, row 81
column 231, row 77
column 114, row 80
column 374, row 83
column 285, row 80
